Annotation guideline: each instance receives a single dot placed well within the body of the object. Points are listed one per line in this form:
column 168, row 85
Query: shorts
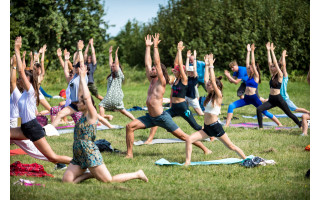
column 194, row 103
column 241, row 90
column 33, row 130
column 164, row 120
column 93, row 89
column 214, row 130
column 291, row 105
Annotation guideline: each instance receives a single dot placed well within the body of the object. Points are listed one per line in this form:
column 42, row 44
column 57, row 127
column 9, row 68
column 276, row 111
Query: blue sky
column 120, row 11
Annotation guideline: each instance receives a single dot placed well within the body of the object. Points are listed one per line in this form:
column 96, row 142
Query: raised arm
column 13, row 74
column 188, row 58
column 156, row 58
column 110, row 57
column 195, row 63
column 86, row 53
column 75, row 58
column 93, row 52
column 147, row 56
column 44, row 49
column 213, row 77
column 59, row 54
column 65, row 68
column 269, row 56
column 116, row 60
column 283, row 62
column 22, row 74
column 206, row 70
column 276, row 63
column 80, row 46
column 31, row 60
column 24, row 59
column 253, row 62
column 248, row 58
column 182, row 72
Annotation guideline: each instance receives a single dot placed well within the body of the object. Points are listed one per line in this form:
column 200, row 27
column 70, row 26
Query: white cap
column 190, row 69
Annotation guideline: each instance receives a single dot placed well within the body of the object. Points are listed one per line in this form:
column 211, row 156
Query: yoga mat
column 226, row 161
column 250, row 124
column 19, row 151
column 137, row 108
column 162, row 141
column 99, row 128
column 278, row 116
column 68, row 126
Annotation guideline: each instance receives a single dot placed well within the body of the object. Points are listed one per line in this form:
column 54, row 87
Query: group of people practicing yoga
column 87, row 161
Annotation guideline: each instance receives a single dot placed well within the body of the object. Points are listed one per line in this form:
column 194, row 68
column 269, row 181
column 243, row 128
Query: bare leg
column 43, row 146
column 241, row 97
column 199, row 111
column 130, row 128
column 276, row 120
column 102, row 174
column 183, row 136
column 101, row 111
column 16, row 134
column 229, row 117
column 104, row 121
column 227, row 142
column 302, row 110
column 153, row 131
column 73, row 174
column 126, row 113
column 99, row 97
column 304, row 124
column 64, row 112
column 197, row 136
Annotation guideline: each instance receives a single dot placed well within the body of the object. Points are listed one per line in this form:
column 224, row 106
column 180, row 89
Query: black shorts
column 33, row 130
column 74, row 106
column 214, row 130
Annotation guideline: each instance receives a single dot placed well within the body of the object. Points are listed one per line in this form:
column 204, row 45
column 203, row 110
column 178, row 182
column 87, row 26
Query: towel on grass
column 278, row 116
column 162, row 141
column 225, row 161
column 19, row 151
column 19, row 169
column 102, row 127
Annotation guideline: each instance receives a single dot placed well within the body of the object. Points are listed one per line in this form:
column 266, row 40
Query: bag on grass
column 104, row 145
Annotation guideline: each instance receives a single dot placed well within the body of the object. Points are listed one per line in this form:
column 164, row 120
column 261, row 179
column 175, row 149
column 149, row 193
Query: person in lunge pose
column 212, row 127
column 113, row 101
column 85, row 153
column 179, row 106
column 158, row 77
column 252, row 82
column 30, row 127
column 275, row 98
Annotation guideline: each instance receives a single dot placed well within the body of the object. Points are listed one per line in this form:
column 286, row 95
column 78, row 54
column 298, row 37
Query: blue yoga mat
column 226, row 161
column 44, row 93
column 278, row 116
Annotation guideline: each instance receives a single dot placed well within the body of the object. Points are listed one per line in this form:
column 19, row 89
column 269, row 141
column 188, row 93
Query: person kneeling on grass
column 212, row 128
column 85, row 153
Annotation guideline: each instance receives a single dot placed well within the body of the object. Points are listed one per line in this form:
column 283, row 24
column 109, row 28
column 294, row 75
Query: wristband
column 211, row 67
column 155, row 47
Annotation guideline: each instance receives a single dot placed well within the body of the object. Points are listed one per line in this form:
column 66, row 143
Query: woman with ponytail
column 252, row 82
column 212, row 103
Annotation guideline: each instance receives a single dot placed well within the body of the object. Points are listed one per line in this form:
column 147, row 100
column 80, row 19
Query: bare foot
column 129, row 156
column 147, row 142
column 208, row 152
column 142, row 176
column 109, row 117
column 99, row 124
column 186, row 163
column 212, row 138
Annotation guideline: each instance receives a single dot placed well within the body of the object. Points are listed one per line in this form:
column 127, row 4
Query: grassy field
column 285, row 180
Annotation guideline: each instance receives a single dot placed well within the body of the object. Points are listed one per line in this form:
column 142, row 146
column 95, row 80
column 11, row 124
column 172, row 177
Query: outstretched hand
column 66, row 54
column 188, row 53
column 80, row 45
column 180, row 46
column 248, row 47
column 110, row 49
column 91, row 41
column 59, row 53
column 211, row 60
column 284, row 53
column 253, row 47
column 44, row 48
column 148, row 40
column 117, row 51
column 272, row 47
column 18, row 43
column 206, row 59
column 24, row 53
column 268, row 46
column 226, row 72
column 156, row 40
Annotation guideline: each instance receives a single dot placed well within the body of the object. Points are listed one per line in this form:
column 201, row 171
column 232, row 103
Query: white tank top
column 212, row 109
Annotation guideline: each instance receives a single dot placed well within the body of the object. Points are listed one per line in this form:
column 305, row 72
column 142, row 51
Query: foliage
column 224, row 28
column 59, row 24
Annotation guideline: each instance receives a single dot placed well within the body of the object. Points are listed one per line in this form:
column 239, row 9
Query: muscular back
column 155, row 97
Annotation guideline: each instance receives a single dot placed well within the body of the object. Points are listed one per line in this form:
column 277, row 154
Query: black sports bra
column 179, row 90
column 278, row 85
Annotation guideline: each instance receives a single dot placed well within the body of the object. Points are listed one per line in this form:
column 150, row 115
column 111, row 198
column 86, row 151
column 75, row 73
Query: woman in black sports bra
column 275, row 98
column 178, row 104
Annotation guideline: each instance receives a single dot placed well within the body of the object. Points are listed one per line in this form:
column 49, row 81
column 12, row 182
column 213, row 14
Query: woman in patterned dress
column 113, row 101
column 85, row 153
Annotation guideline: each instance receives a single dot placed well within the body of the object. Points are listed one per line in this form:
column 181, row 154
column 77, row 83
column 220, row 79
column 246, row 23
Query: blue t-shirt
column 283, row 89
column 200, row 70
column 92, row 68
column 191, row 91
column 241, row 73
column 74, row 87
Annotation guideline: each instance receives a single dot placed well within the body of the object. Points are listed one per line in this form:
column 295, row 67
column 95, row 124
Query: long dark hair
column 34, row 82
column 165, row 73
column 275, row 80
column 258, row 69
column 212, row 95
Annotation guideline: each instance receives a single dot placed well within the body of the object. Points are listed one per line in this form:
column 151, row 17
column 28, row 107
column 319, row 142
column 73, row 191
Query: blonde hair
column 233, row 63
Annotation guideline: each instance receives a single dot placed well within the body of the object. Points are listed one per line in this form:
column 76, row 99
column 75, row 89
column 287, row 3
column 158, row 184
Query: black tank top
column 277, row 86
column 179, row 90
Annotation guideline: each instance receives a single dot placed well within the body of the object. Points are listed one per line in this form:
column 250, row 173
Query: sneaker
column 60, row 166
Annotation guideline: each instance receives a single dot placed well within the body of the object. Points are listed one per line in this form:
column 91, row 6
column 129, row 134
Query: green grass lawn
column 285, row 180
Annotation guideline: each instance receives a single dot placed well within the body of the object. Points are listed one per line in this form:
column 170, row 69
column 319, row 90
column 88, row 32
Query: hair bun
column 220, row 77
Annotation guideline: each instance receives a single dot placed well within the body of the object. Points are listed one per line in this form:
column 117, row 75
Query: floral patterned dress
column 114, row 97
column 85, row 152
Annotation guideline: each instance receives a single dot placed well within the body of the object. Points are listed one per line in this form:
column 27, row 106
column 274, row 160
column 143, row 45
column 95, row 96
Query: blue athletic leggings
column 248, row 99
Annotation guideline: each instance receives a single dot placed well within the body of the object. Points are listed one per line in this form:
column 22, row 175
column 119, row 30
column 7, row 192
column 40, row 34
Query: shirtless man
column 158, row 77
